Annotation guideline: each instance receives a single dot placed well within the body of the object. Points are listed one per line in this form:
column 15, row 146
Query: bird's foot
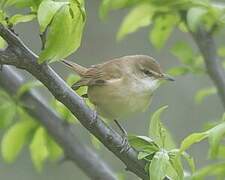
column 125, row 144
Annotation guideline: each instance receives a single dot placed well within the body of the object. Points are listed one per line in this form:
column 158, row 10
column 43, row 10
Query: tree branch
column 207, row 47
column 84, row 157
column 19, row 55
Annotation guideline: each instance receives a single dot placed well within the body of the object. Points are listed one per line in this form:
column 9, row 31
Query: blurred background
column 182, row 118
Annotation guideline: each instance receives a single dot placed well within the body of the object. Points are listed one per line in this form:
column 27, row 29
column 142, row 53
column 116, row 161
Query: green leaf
column 46, row 12
column 138, row 17
column 95, row 142
column 78, row 22
column 143, row 143
column 142, row 155
column 203, row 93
column 215, row 137
column 175, row 162
column 5, row 97
column 216, row 169
column 63, row 111
column 19, row 3
column 25, row 87
column 72, row 78
column 107, row 5
column 2, row 43
column 162, row 29
column 169, row 141
column 55, row 44
column 19, row 18
column 68, row 22
column 155, row 128
column 7, row 111
column 38, row 148
column 194, row 17
column 221, row 51
column 54, row 150
column 221, row 152
column 191, row 139
column 159, row 165
column 190, row 161
column 183, row 51
column 15, row 138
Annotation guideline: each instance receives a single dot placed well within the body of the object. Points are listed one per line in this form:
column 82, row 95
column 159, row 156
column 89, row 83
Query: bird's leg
column 125, row 144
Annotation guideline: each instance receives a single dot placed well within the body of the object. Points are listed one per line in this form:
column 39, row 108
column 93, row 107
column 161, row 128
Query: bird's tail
column 80, row 70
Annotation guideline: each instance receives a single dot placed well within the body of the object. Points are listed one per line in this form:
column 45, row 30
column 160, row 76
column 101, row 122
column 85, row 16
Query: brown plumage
column 98, row 75
column 121, row 86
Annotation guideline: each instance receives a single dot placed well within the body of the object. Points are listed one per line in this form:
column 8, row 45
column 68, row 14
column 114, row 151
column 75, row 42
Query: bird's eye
column 147, row 72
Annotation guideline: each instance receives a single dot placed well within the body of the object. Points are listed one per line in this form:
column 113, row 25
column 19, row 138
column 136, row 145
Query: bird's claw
column 125, row 144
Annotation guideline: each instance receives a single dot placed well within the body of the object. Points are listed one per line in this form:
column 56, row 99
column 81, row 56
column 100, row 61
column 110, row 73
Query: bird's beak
column 167, row 77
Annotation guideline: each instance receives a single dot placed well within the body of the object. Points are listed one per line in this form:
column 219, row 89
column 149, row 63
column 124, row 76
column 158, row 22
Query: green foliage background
column 164, row 37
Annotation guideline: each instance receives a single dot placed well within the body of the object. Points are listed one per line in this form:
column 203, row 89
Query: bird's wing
column 99, row 75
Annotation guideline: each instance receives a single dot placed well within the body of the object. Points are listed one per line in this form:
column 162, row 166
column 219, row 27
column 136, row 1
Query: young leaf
column 143, row 143
column 175, row 162
column 107, row 5
column 38, row 148
column 138, row 17
column 7, row 111
column 142, row 155
column 55, row 151
column 4, row 97
column 183, row 51
column 190, row 161
column 155, row 128
column 72, row 78
column 215, row 136
column 68, row 22
column 216, row 169
column 194, row 16
column 15, row 138
column 203, row 93
column 63, row 111
column 18, row 3
column 20, row 18
column 162, row 29
column 46, row 12
column 158, row 166
column 78, row 22
column 2, row 43
column 221, row 152
column 191, row 139
column 59, row 35
column 95, row 142
column 221, row 51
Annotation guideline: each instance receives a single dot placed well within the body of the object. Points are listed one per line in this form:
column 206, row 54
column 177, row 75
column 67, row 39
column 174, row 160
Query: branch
column 19, row 55
column 84, row 157
column 206, row 45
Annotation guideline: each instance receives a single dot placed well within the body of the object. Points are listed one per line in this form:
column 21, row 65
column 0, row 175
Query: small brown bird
column 120, row 87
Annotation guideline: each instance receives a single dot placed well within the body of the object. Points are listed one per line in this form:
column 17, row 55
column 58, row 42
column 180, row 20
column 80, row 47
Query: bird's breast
column 121, row 98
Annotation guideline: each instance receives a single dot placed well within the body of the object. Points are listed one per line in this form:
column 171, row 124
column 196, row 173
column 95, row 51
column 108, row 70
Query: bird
column 120, row 87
